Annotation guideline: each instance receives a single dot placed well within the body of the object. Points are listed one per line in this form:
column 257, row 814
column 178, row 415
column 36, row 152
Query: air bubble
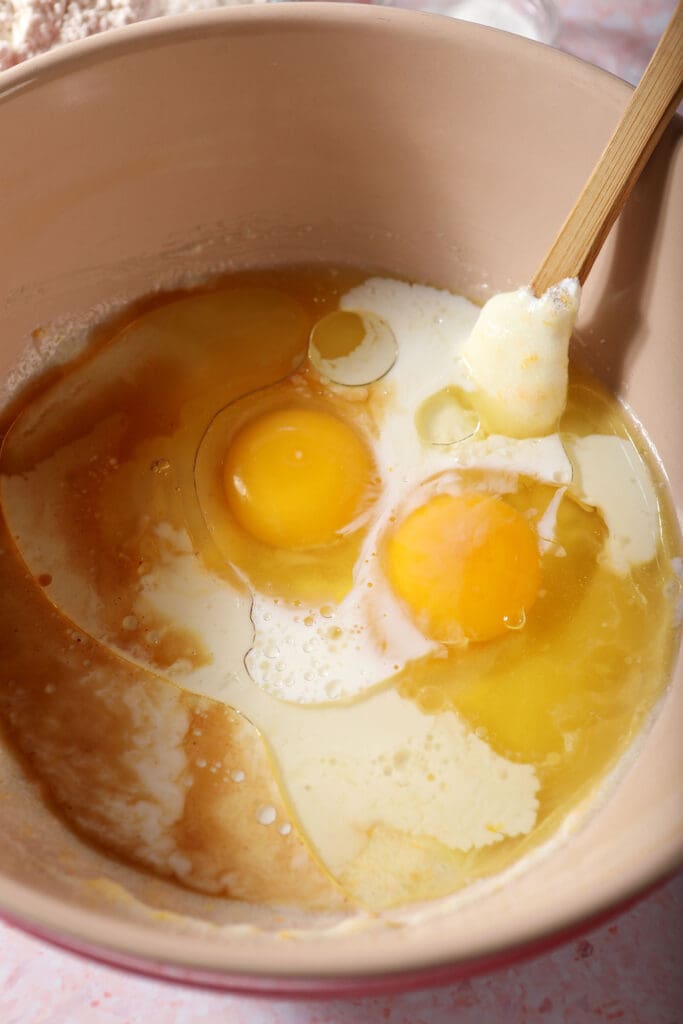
column 129, row 623
column 333, row 688
column 266, row 815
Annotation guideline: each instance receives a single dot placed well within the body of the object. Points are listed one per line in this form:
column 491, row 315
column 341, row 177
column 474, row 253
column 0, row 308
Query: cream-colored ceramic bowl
column 440, row 151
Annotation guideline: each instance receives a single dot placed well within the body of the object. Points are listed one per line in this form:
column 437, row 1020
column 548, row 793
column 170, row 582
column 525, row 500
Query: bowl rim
column 160, row 30
column 343, row 985
column 98, row 936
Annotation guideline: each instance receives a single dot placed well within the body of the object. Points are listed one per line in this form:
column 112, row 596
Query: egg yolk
column 296, row 477
column 465, row 565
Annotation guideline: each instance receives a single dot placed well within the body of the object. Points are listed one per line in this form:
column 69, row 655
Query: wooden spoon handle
column 648, row 112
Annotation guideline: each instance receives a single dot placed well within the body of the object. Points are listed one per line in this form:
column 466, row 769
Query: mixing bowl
column 438, row 151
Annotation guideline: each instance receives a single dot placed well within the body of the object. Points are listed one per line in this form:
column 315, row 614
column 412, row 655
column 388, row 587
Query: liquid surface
column 259, row 688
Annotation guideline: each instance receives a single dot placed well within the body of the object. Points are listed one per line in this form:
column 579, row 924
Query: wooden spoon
column 649, row 110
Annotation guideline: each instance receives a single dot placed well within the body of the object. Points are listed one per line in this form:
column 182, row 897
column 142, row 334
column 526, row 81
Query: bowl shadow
column 618, row 329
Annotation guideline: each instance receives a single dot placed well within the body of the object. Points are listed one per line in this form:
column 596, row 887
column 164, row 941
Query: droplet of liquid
column 431, row 699
column 401, row 758
column 333, row 689
column 352, row 348
column 515, row 622
column 446, row 417
column 266, row 815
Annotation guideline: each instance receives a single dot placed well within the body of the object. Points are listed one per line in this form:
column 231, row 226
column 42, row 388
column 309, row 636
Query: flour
column 30, row 27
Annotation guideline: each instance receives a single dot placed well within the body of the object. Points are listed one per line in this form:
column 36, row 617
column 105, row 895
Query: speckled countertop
column 629, row 970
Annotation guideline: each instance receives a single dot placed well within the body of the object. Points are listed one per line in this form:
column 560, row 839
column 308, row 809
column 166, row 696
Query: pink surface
column 619, row 37
column 628, row 970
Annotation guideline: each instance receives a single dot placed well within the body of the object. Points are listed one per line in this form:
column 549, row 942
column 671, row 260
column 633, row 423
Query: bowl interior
column 408, row 143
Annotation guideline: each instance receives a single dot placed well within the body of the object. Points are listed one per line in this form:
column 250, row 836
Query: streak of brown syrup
column 90, row 728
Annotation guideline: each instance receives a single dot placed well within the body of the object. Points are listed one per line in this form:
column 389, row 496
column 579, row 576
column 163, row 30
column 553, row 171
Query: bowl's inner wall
column 445, row 156
column 409, row 144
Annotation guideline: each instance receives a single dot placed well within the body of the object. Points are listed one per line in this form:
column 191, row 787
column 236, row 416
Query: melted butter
column 569, row 691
